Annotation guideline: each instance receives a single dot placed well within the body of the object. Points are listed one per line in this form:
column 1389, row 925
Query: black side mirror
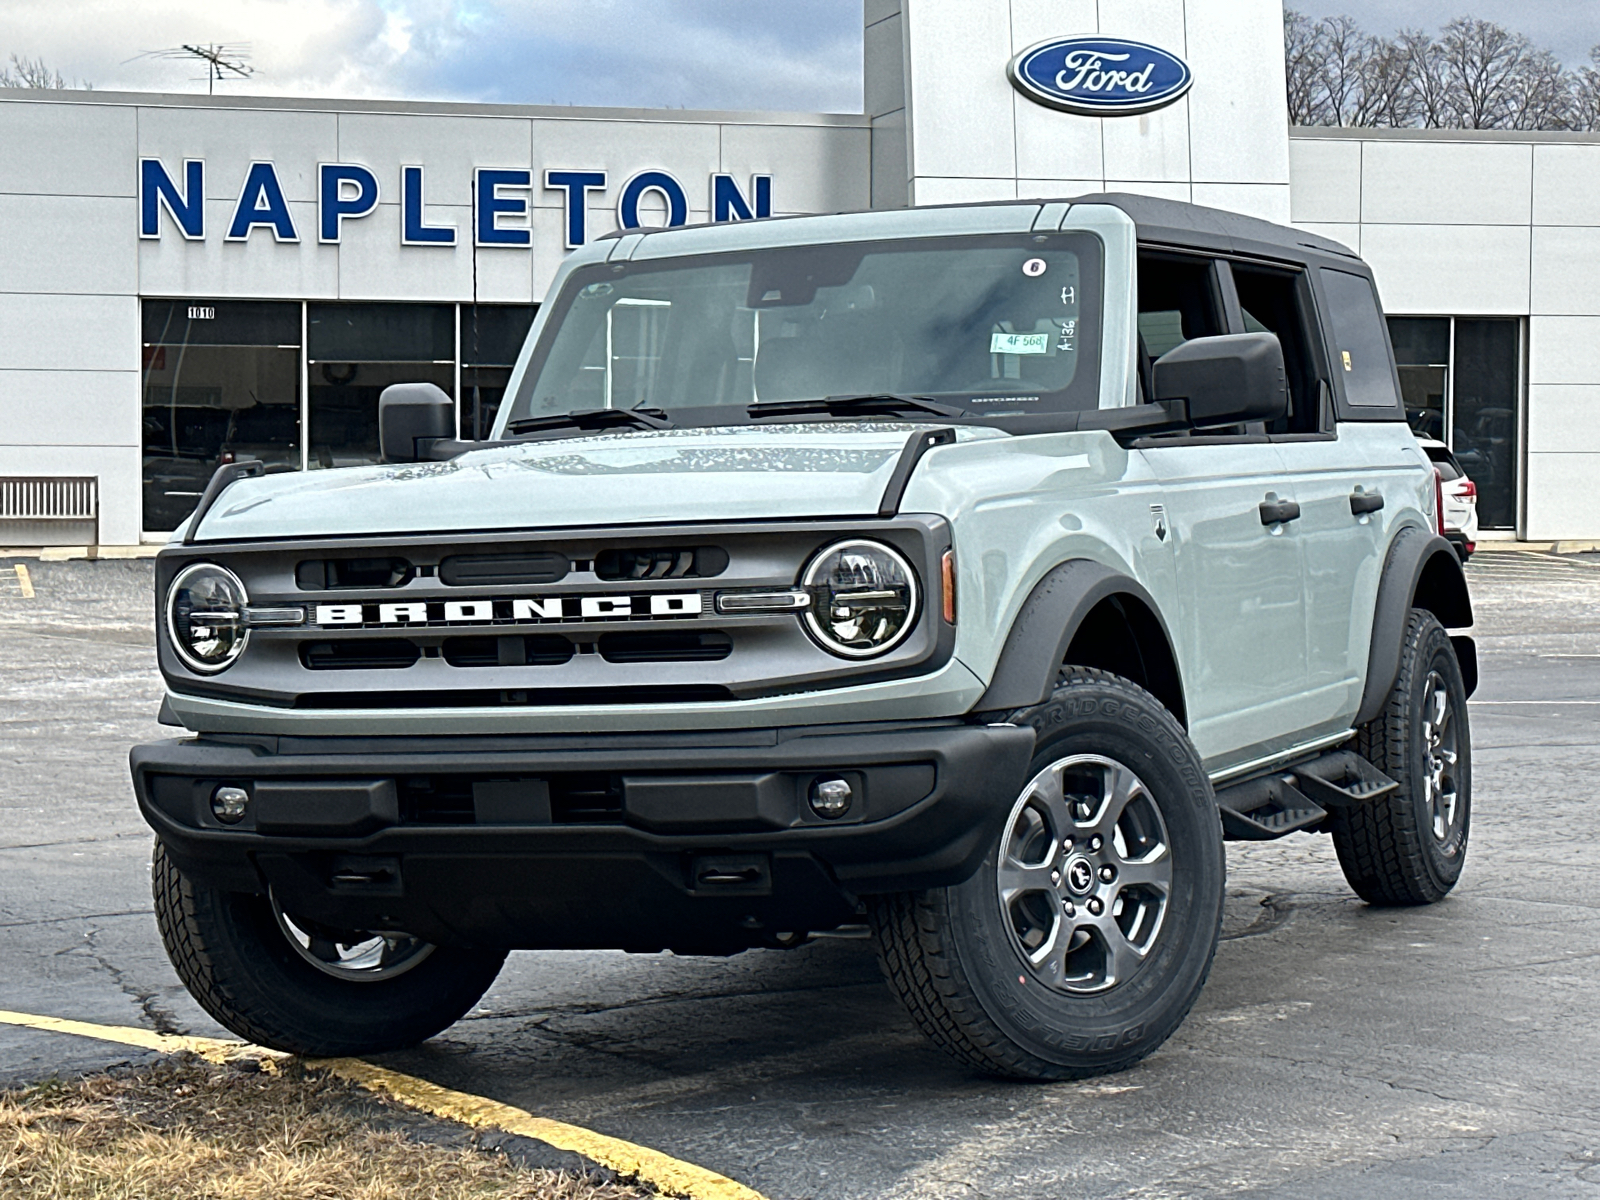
column 1226, row 380
column 411, row 418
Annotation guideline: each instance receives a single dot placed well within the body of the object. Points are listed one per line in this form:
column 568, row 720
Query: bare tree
column 32, row 73
column 1303, row 51
column 1584, row 112
column 1389, row 97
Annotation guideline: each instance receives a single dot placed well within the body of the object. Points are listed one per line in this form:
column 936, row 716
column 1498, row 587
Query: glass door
column 220, row 382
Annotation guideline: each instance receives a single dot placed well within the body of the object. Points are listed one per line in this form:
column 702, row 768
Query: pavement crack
column 162, row 1020
column 1275, row 911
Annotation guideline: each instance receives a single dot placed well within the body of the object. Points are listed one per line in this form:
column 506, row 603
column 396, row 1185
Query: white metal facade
column 1454, row 224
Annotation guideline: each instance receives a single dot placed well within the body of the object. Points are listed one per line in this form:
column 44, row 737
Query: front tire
column 1082, row 942
column 285, row 983
column 1409, row 847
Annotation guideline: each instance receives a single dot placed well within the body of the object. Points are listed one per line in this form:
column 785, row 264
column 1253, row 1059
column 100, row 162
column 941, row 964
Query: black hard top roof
column 1176, row 223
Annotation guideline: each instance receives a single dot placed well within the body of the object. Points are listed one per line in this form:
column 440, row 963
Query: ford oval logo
column 1099, row 76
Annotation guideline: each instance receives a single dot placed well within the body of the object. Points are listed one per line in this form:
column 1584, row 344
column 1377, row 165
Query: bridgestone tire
column 955, row 964
column 1387, row 849
column 236, row 962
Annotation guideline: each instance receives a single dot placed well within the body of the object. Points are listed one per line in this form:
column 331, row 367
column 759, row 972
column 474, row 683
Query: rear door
column 1241, row 628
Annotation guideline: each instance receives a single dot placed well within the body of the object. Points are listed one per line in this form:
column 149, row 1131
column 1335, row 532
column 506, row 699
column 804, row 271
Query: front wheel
column 1409, row 847
column 288, row 983
column 1085, row 937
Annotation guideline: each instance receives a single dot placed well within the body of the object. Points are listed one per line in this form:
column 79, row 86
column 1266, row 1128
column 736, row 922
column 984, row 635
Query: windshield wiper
column 593, row 418
column 884, row 403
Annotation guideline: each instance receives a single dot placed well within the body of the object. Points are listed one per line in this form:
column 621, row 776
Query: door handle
column 1276, row 512
column 1362, row 503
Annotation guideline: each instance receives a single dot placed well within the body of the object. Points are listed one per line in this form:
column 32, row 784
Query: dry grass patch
column 185, row 1129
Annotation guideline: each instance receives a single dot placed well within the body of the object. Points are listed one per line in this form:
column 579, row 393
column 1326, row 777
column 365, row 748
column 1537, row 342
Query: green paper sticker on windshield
column 1019, row 343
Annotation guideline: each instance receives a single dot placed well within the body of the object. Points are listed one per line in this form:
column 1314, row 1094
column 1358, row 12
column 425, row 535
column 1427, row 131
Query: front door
column 1241, row 624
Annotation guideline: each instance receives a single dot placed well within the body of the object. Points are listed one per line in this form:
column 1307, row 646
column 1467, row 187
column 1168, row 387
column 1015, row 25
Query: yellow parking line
column 24, row 581
column 666, row 1174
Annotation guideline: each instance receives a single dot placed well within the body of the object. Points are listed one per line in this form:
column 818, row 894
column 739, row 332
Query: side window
column 1178, row 301
column 1361, row 354
column 1273, row 300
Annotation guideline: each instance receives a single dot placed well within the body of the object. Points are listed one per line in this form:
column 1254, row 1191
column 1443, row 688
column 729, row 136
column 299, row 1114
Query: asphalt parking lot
column 1338, row 1049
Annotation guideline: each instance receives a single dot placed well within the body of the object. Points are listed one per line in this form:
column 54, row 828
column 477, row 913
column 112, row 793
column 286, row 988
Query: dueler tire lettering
column 948, row 953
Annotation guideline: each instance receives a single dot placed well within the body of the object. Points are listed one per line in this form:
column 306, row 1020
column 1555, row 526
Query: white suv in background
column 1460, row 497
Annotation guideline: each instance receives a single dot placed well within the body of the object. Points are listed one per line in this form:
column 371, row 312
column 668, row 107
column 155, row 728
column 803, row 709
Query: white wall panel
column 75, row 333
column 230, row 139
column 68, row 244
column 884, row 67
column 813, row 168
column 961, row 190
column 1446, row 183
column 878, row 10
column 1269, row 201
column 1324, row 181
column 690, row 151
column 1236, row 107
column 1566, row 184
column 449, row 147
column 71, row 408
column 1564, row 418
column 1051, row 144
column 1564, row 350
column 117, row 468
column 1461, row 269
column 889, row 161
column 1566, row 271
column 373, row 265
column 1563, row 501
column 1152, row 146
column 258, row 267
column 100, row 138
column 1056, row 189
column 960, row 98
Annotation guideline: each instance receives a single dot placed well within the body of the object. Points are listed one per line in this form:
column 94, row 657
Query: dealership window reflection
column 491, row 337
column 1460, row 378
column 353, row 352
column 220, row 381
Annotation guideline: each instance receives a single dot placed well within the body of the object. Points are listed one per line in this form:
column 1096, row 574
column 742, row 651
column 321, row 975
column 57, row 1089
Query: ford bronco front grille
column 585, row 617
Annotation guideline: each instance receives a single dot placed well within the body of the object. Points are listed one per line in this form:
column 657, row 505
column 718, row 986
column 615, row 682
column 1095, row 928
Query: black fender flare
column 1046, row 623
column 1414, row 553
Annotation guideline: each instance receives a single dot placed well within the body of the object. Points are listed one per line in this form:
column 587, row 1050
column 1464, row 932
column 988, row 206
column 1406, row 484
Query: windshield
column 991, row 325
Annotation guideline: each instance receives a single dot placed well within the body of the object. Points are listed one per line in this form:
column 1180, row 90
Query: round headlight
column 205, row 617
column 863, row 598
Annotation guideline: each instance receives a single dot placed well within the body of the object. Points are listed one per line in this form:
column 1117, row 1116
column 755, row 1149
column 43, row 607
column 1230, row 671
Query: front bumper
column 694, row 841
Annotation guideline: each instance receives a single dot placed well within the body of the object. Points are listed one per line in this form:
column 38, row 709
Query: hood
column 829, row 469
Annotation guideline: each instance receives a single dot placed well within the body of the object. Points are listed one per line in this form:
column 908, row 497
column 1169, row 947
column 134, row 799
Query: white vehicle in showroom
column 970, row 573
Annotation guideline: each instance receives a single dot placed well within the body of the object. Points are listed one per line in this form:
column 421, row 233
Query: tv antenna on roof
column 223, row 60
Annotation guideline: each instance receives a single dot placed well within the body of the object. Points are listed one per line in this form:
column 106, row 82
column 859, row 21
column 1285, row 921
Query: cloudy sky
column 800, row 55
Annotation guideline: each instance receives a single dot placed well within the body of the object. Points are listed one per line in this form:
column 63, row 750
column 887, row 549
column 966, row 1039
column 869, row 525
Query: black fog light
column 830, row 798
column 229, row 804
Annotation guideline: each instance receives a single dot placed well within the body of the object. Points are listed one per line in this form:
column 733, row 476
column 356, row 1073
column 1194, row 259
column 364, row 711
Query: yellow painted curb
column 661, row 1171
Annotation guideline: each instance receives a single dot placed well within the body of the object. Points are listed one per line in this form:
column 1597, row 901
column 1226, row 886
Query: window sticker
column 1035, row 267
column 1019, row 343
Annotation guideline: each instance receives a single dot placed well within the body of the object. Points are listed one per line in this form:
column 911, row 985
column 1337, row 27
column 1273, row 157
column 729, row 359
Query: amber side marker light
column 947, row 580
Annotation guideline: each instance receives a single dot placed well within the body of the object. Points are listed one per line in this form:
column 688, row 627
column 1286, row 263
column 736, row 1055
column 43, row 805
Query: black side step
column 1286, row 801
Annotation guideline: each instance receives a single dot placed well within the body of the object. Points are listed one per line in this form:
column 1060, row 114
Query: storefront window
column 1460, row 379
column 1483, row 419
column 1422, row 352
column 354, row 351
column 491, row 337
column 220, row 382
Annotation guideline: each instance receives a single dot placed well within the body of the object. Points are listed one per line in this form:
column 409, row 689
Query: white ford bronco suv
column 970, row 573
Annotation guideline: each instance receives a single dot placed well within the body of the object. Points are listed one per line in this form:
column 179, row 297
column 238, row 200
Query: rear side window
column 1361, row 355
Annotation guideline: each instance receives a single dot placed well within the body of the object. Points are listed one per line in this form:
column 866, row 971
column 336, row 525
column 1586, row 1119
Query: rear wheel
column 1409, row 847
column 1085, row 937
column 286, row 982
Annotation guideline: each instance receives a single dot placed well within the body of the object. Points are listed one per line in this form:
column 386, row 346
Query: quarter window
column 1361, row 354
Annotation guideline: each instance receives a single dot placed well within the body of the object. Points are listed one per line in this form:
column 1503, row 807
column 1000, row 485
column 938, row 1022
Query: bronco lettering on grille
column 521, row 610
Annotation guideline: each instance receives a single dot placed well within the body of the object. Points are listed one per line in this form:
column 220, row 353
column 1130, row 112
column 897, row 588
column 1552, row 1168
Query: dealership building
column 187, row 279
